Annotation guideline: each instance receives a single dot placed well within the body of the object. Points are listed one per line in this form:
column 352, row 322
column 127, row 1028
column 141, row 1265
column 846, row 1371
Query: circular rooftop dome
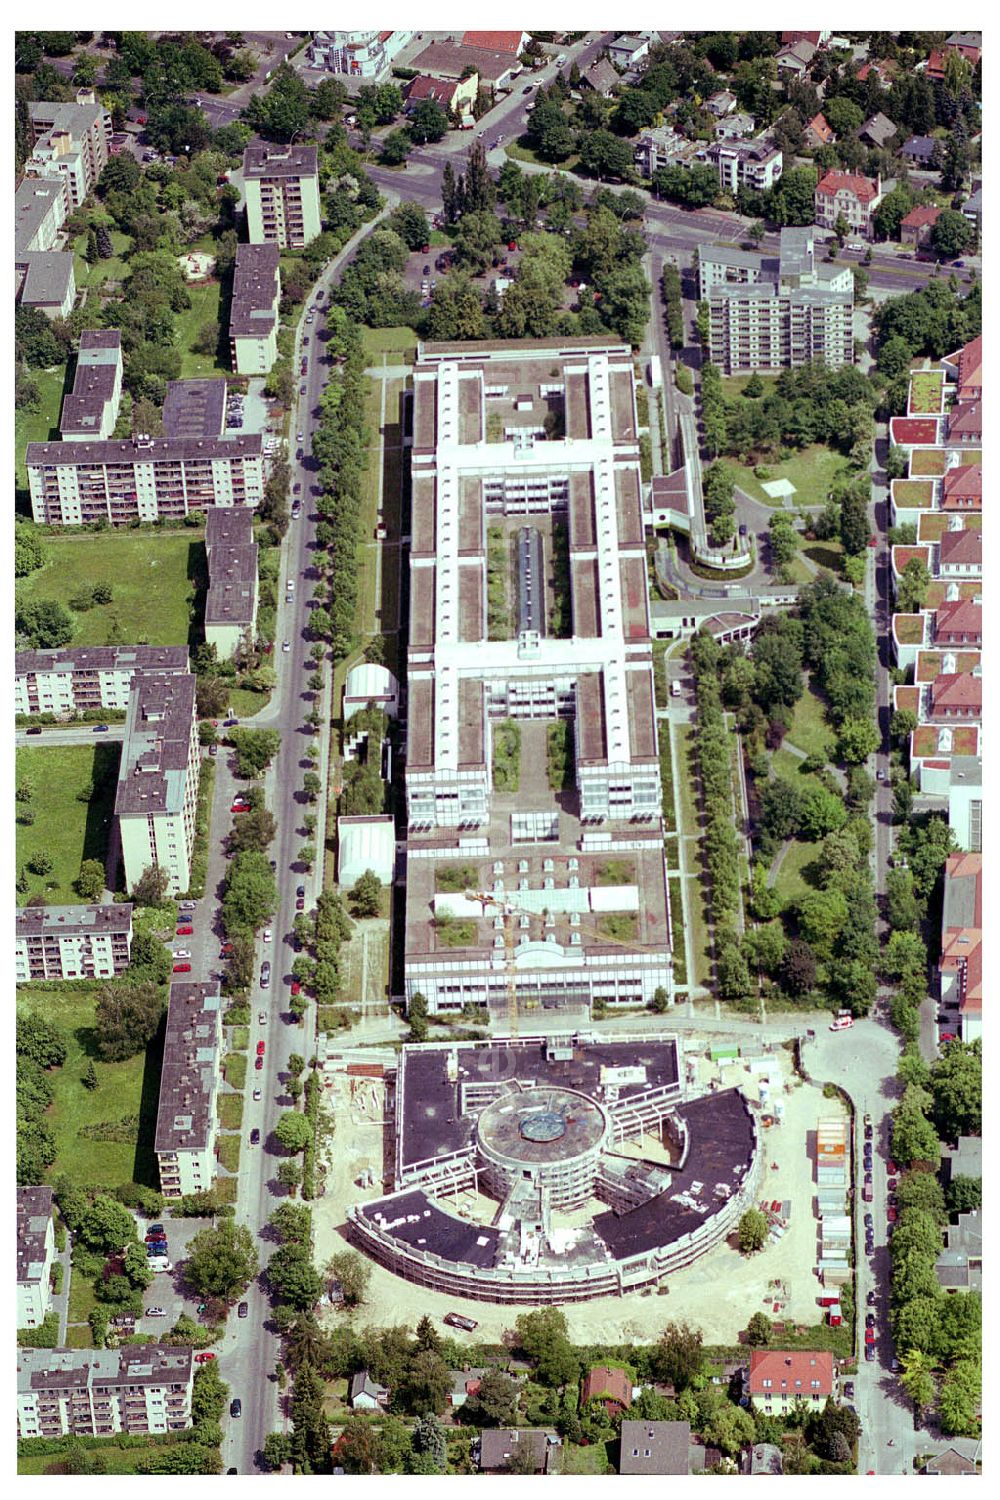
column 541, row 1125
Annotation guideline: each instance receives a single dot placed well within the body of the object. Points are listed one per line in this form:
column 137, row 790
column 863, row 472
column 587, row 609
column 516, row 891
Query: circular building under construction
column 501, row 1148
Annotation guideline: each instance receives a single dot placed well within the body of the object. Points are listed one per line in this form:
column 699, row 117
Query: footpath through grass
column 156, row 578
column 65, row 828
column 123, row 1104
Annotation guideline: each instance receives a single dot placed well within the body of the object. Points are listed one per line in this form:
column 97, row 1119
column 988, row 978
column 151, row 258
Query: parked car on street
column 242, row 1310
column 255, row 1137
column 265, row 974
column 236, row 1407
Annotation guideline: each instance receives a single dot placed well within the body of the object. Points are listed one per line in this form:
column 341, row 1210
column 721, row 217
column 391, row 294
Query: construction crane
column 506, row 908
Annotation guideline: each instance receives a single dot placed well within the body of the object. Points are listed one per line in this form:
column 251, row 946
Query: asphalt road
column 70, row 734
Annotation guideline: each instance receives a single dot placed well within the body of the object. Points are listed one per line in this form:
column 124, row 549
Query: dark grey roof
column 100, row 338
column 194, row 408
column 102, row 659
column 262, row 159
column 497, row 1445
column 654, row 1447
column 39, row 921
column 97, row 368
column 155, row 754
column 920, row 146
column 256, row 283
column 127, row 451
column 100, row 1369
column 32, row 203
column 48, row 275
column 190, row 1064
column 34, row 1210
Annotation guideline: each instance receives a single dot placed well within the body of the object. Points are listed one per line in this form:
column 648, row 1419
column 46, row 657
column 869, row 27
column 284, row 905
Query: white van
column 675, row 688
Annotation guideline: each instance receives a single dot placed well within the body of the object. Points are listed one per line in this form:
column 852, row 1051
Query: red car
column 225, row 950
column 869, row 1335
column 948, row 1036
column 239, row 807
column 891, row 1168
column 296, row 988
column 182, row 968
column 261, row 1048
column 512, row 245
column 259, row 1064
column 203, row 1357
column 890, row 1214
column 873, row 541
column 184, row 931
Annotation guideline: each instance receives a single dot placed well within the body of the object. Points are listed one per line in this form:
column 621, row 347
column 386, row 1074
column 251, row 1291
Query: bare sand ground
column 718, row 1294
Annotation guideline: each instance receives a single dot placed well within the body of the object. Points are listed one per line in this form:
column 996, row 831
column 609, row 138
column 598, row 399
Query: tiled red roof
column 789, row 38
column 962, row 547
column 966, row 420
column 956, row 618
column 957, row 690
column 863, row 188
column 962, row 947
column 924, row 213
column 964, row 482
column 970, row 367
column 820, row 127
column 601, row 1381
column 913, row 432
column 425, row 87
column 791, row 1372
column 494, row 41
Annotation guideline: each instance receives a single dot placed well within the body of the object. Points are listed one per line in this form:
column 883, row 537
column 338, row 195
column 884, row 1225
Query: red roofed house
column 965, row 422
column 613, row 1388
column 936, row 61
column 848, row 194
column 960, row 967
column 883, row 72
column 916, row 228
column 782, row 1378
column 453, row 94
column 818, row 132
column 966, row 366
column 957, row 695
column 513, row 42
column 960, row 554
column 962, row 488
column 959, row 622
column 817, row 38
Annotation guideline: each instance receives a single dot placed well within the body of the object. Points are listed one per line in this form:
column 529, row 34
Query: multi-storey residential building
column 532, row 866
column 40, row 207
column 960, row 967
column 773, row 313
column 965, row 802
column 358, row 54
column 71, row 680
column 850, row 196
column 662, row 146
column 186, row 1118
column 231, row 603
column 142, row 479
column 782, row 1379
column 91, row 408
column 750, row 164
column 43, row 272
column 158, row 779
column 70, row 141
column 72, row 942
column 96, row 1392
column 282, row 194
column 253, row 310
column 36, row 1249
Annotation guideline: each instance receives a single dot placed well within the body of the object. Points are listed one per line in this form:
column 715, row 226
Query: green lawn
column 156, row 578
column 230, row 1111
column 829, row 555
column 234, row 1069
column 227, row 1149
column 590, row 1460
column 244, row 702
column 65, row 828
column 684, row 771
column 810, row 731
column 118, row 1460
column 102, row 270
column 735, row 385
column 810, row 469
column 792, row 882
column 206, row 307
column 378, row 341
column 41, row 426
column 126, row 1091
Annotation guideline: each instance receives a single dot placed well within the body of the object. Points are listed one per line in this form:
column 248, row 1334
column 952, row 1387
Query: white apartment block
column 965, row 802
column 253, row 312
column 91, row 408
column 463, row 684
column 231, row 602
column 186, row 1123
column 282, row 194
column 69, row 681
column 774, row 313
column 751, row 164
column 36, row 1249
column 71, row 142
column 357, row 54
column 78, row 483
column 158, row 776
column 97, row 1392
column 72, row 942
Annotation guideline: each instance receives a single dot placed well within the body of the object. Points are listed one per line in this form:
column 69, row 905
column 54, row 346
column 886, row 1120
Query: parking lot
column 165, row 1290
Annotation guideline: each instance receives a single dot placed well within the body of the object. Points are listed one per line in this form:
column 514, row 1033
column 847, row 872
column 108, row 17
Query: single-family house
column 919, row 151
column 625, row 51
column 819, row 133
column 967, row 47
column 721, row 104
column 878, row 131
column 519, row 1450
column 814, row 38
column 464, row 1384
column 780, row 1379
column 949, row 1462
column 735, row 127
column 883, row 71
column 762, row 1458
column 513, row 42
column 795, row 59
column 848, row 195
column 455, row 95
column 654, row 1448
column 613, row 1388
column 600, row 78
column 365, row 1394
column 916, row 228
